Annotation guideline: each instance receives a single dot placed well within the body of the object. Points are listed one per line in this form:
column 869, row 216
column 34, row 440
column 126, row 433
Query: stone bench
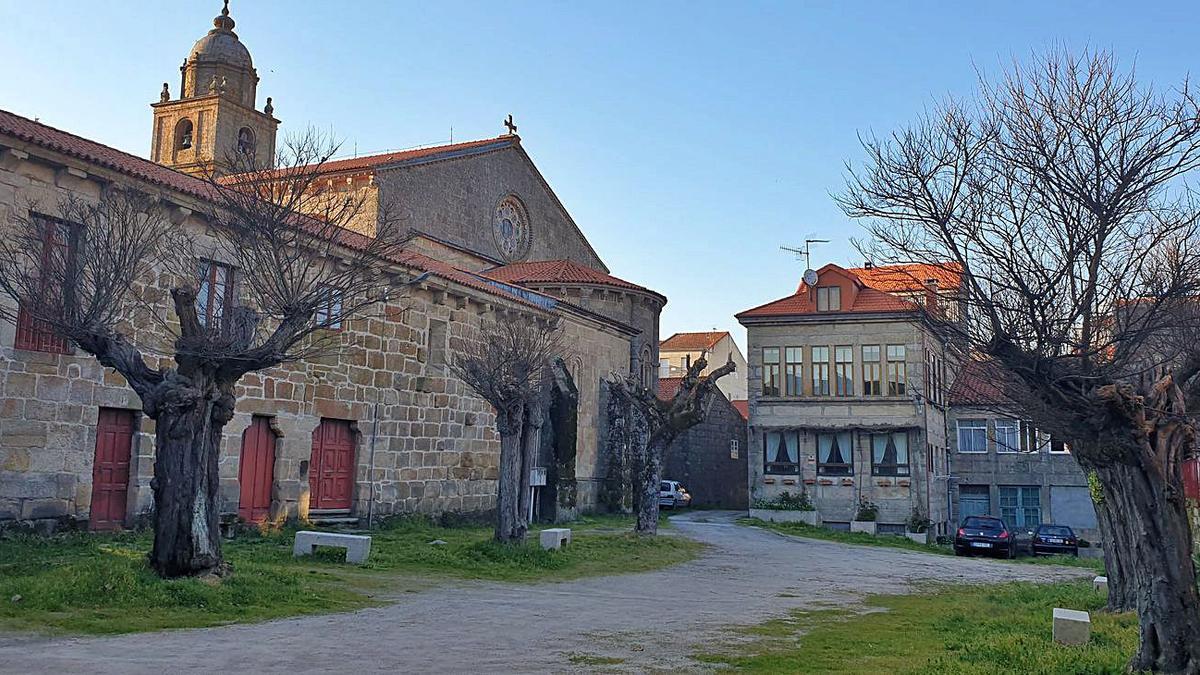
column 357, row 546
column 555, row 538
column 1072, row 627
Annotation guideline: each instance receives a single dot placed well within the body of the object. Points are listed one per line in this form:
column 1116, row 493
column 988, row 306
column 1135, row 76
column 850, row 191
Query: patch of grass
column 864, row 539
column 96, row 583
column 593, row 660
column 972, row 630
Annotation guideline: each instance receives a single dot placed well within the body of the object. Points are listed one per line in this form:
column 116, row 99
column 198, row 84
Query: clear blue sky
column 688, row 139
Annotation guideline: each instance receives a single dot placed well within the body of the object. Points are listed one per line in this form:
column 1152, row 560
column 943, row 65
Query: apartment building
column 848, row 392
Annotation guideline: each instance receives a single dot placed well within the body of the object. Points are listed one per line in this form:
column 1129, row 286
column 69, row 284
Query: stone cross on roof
column 512, row 128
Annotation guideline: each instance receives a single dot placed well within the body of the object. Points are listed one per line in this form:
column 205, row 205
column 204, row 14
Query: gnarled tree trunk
column 1141, row 441
column 509, row 424
column 1152, row 542
column 646, row 485
column 1121, row 595
column 190, row 415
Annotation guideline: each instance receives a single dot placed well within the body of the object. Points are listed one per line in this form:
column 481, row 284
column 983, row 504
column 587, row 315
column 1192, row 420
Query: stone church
column 379, row 428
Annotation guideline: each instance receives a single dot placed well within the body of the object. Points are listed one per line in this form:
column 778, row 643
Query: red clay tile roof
column 878, row 285
column 909, row 277
column 868, row 300
column 692, row 342
column 566, row 272
column 451, row 273
column 668, row 387
column 743, row 408
column 374, row 161
column 90, row 151
column 50, row 138
column 981, row 383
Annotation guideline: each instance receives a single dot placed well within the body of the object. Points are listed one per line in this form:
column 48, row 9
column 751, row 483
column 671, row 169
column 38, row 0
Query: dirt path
column 649, row 621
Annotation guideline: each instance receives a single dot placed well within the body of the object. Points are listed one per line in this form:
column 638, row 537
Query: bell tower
column 214, row 115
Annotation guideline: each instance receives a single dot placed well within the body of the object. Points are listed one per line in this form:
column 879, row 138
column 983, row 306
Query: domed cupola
column 220, row 63
column 214, row 114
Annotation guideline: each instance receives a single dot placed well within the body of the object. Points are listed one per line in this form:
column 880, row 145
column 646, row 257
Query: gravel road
column 651, row 621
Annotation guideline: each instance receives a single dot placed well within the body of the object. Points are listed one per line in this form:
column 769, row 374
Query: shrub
column 787, row 501
column 918, row 523
column 867, row 511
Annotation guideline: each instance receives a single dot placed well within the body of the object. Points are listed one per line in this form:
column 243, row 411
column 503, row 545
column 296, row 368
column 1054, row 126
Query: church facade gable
column 495, row 203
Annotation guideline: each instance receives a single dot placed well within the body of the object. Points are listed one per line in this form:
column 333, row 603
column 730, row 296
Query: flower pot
column 769, row 481
column 775, row 516
column 883, row 482
column 903, row 483
column 919, row 537
column 789, row 481
column 847, row 481
column 826, row 481
column 810, row 481
column 867, row 526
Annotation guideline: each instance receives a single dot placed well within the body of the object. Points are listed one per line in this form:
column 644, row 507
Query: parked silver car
column 671, row 493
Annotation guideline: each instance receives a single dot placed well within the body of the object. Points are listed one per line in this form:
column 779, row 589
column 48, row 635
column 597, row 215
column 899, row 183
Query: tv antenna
column 810, row 275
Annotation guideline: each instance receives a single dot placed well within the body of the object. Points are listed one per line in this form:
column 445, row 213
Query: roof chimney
column 931, row 297
column 868, row 265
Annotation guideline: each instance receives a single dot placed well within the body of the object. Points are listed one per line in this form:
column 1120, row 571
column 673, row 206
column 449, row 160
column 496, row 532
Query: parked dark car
column 984, row 534
column 1052, row 539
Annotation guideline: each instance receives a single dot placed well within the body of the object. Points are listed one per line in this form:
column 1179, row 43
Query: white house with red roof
column 677, row 353
column 848, row 392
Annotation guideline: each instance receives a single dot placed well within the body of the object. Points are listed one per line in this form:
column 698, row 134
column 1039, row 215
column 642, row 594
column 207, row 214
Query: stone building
column 677, row 353
column 709, row 458
column 848, row 392
column 1001, row 465
column 381, row 427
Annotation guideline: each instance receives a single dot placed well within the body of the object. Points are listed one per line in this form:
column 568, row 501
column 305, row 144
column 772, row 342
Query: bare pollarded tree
column 273, row 271
column 512, row 368
column 1059, row 193
column 660, row 422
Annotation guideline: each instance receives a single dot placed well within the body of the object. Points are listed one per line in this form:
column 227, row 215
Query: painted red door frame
column 256, row 470
column 110, row 468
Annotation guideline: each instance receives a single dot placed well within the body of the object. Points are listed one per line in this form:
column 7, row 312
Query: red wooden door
column 110, row 469
column 256, row 470
column 331, row 471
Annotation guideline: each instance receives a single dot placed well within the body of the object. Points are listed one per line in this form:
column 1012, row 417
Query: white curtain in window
column 773, row 442
column 879, row 443
column 900, row 440
column 792, row 445
column 835, row 448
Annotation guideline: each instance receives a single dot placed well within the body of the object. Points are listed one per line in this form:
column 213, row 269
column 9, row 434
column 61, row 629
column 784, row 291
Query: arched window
column 246, row 141
column 647, row 367
column 183, row 134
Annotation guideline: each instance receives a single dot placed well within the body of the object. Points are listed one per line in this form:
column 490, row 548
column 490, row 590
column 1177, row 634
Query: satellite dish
column 810, row 277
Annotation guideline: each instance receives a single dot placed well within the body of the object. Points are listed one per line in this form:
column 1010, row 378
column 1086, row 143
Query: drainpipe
column 371, row 466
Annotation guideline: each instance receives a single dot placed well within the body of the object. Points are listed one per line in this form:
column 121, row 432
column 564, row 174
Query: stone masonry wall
column 425, row 443
column 703, row 459
column 455, row 200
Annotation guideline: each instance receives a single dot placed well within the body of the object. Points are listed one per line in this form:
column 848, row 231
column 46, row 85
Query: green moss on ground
column 101, row 584
column 969, row 630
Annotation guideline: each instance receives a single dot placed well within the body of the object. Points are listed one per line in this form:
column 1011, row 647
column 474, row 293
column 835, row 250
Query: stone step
column 332, row 520
column 329, row 512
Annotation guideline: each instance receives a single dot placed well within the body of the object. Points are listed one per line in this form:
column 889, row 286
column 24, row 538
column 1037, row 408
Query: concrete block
column 919, row 537
column 1100, row 584
column 867, row 526
column 1071, row 627
column 357, row 546
column 554, row 538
